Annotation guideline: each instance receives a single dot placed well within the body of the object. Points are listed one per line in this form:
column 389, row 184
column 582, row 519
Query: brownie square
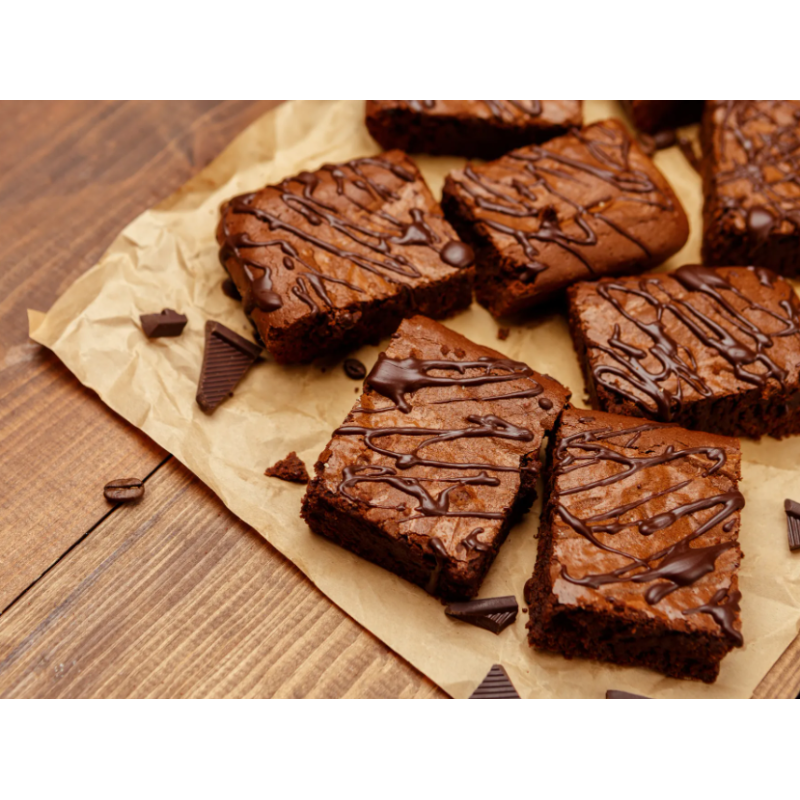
column 716, row 349
column 587, row 204
column 638, row 552
column 470, row 128
column 751, row 183
column 331, row 259
column 436, row 461
column 652, row 116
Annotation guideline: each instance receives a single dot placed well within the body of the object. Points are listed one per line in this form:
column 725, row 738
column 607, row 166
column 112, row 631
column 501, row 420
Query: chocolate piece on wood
column 495, row 686
column 226, row 359
column 123, row 490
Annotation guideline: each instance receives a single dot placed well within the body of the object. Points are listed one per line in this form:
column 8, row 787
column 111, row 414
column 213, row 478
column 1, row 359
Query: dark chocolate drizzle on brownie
column 672, row 567
column 723, row 608
column 532, row 196
column 741, row 342
column 380, row 240
column 395, row 379
column 501, row 109
column 768, row 160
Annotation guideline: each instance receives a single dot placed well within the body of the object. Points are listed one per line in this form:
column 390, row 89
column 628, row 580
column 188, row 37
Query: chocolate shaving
column 354, row 369
column 793, row 521
column 502, row 333
column 167, row 323
column 495, row 686
column 494, row 614
column 613, row 694
column 226, row 359
column 290, row 469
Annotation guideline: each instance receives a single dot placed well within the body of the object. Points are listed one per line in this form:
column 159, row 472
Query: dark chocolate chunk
column 613, row 694
column 495, row 686
column 226, row 359
column 354, row 369
column 167, row 323
column 494, row 614
column 229, row 288
column 123, row 490
column 502, row 333
column 290, row 469
column 793, row 521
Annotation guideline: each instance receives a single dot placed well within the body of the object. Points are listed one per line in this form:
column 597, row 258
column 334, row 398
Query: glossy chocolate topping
column 663, row 325
column 340, row 212
column 569, row 193
column 756, row 172
column 665, row 515
column 449, row 443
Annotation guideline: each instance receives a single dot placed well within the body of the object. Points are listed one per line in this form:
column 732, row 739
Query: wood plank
column 71, row 176
column 783, row 680
column 175, row 597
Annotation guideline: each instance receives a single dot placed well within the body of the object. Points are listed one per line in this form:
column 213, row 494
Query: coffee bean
column 123, row 490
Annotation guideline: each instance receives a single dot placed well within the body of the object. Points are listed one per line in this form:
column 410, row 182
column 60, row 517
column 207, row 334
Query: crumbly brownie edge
column 339, row 520
column 626, row 639
column 414, row 132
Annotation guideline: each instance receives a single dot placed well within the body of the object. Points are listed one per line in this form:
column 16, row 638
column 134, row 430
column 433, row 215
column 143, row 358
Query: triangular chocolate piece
column 167, row 323
column 494, row 614
column 613, row 694
column 290, row 468
column 226, row 359
column 495, row 686
column 793, row 520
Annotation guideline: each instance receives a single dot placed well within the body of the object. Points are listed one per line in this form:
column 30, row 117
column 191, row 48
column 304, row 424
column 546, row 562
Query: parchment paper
column 168, row 258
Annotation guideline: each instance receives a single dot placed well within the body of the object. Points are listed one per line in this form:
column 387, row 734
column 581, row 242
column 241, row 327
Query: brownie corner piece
column 470, row 128
column 436, row 461
column 335, row 258
column 638, row 552
column 751, row 210
column 714, row 349
column 584, row 205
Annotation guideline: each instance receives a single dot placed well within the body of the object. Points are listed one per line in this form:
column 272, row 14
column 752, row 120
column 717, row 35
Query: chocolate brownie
column 751, row 183
column 587, row 204
column 331, row 259
column 437, row 460
column 652, row 116
column 715, row 349
column 638, row 546
column 471, row 128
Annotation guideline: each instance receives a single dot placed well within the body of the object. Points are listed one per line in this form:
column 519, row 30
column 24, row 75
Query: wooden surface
column 174, row 596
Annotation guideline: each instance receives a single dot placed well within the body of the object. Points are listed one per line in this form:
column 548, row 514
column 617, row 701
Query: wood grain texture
column 175, row 597
column 72, row 175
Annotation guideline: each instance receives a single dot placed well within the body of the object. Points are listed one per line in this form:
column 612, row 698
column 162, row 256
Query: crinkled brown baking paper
column 168, row 258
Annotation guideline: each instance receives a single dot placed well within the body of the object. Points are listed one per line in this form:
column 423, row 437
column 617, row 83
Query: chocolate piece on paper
column 793, row 521
column 613, row 694
column 495, row 686
column 290, row 469
column 502, row 333
column 226, row 359
column 494, row 614
column 354, row 369
column 123, row 490
column 167, row 323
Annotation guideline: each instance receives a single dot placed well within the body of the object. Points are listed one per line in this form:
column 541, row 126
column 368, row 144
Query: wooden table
column 174, row 597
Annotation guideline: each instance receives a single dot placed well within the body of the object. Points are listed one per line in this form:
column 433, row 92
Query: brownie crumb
column 290, row 468
column 502, row 333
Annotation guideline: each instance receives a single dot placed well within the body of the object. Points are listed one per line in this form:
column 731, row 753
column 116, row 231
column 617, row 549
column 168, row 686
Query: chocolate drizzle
column 667, row 569
column 396, row 380
column 723, row 607
column 500, row 109
column 374, row 247
column 735, row 337
column 540, row 191
column 761, row 143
